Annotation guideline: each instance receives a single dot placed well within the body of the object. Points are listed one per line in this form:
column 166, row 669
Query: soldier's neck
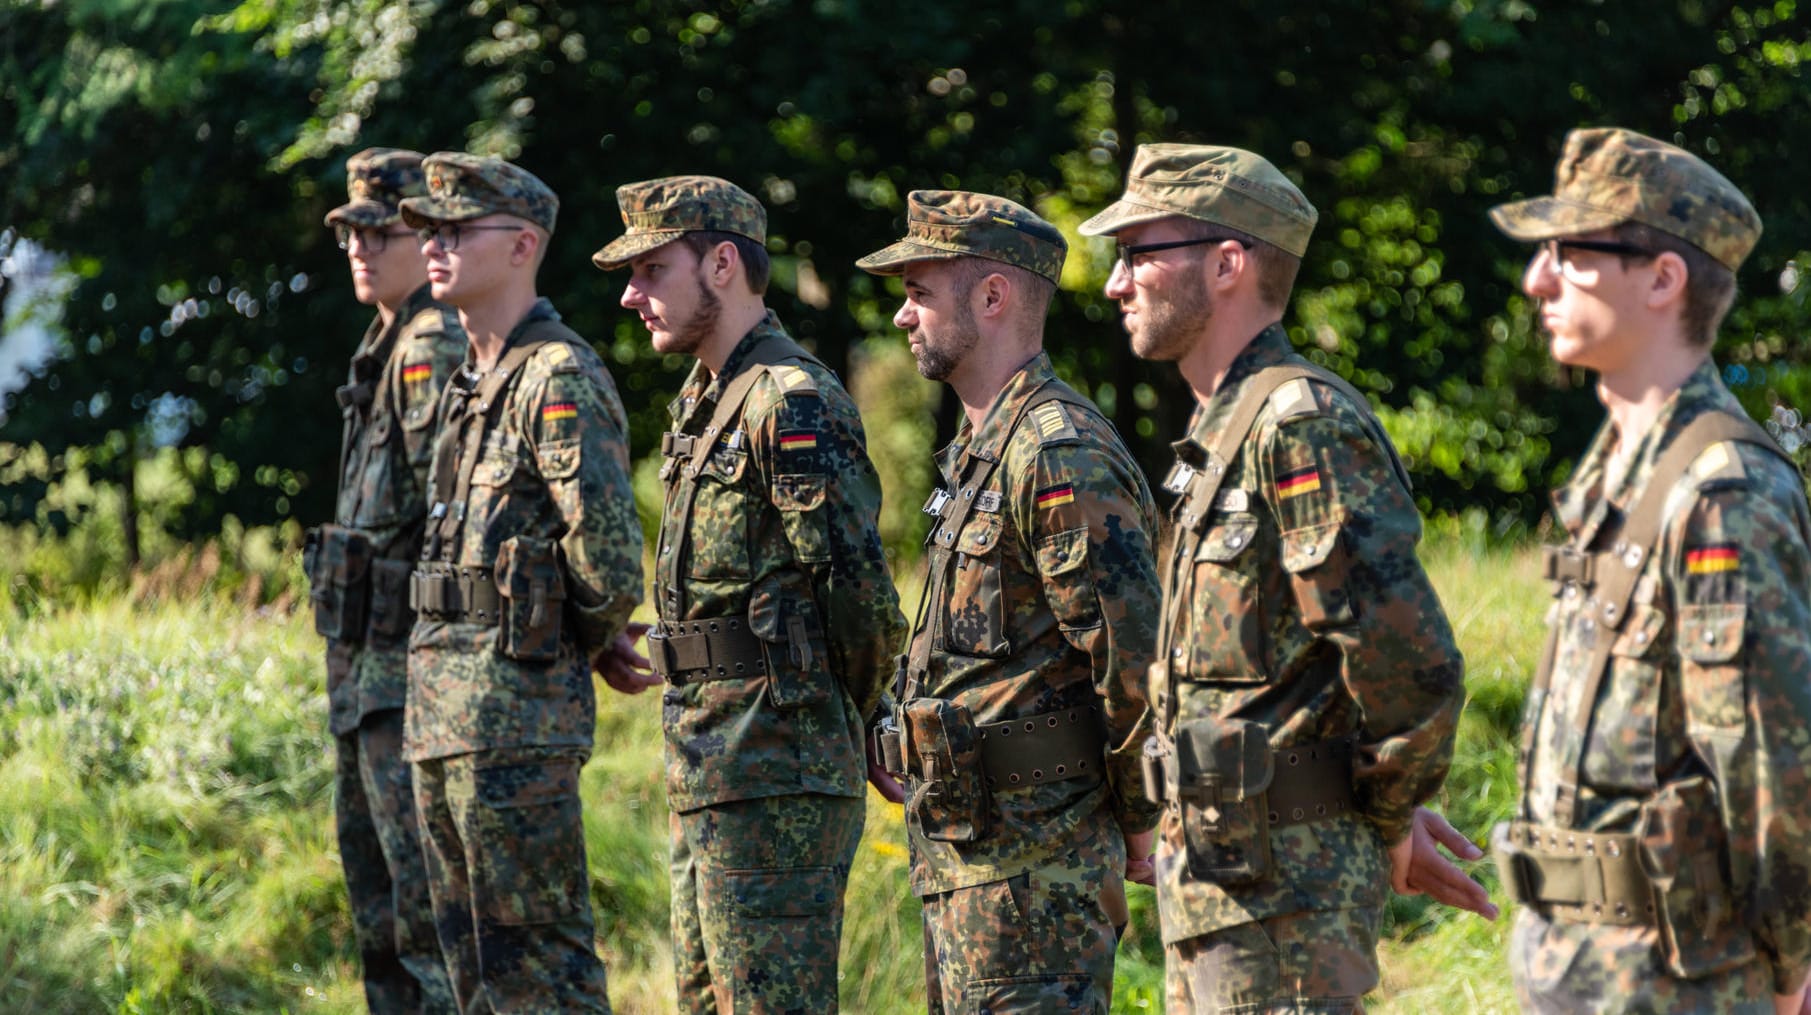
column 982, row 374
column 1634, row 395
column 739, row 318
column 489, row 322
column 1205, row 366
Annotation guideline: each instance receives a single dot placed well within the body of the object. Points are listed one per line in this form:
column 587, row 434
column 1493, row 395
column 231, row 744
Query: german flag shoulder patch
column 1713, row 558
column 798, row 440
column 1296, row 482
column 417, row 373
column 553, row 412
column 1056, row 496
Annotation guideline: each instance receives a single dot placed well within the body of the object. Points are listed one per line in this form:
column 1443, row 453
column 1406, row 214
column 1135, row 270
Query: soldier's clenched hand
column 623, row 668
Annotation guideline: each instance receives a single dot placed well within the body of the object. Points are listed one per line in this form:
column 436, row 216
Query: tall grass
column 166, row 832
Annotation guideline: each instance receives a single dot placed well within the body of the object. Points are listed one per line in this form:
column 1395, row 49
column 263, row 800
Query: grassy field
column 166, row 839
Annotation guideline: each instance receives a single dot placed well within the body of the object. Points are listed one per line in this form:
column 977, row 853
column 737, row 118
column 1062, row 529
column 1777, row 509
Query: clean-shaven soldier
column 1021, row 718
column 1662, row 853
column 531, row 566
column 1308, row 685
column 359, row 567
column 777, row 613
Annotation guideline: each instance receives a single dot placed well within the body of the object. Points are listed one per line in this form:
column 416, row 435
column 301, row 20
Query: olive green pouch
column 1223, row 772
column 950, row 797
column 532, row 588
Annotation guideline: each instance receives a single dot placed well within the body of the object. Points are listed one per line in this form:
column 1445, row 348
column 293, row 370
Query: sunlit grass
column 166, row 823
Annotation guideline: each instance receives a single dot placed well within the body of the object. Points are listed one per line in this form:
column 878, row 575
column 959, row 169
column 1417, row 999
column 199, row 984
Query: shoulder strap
column 1613, row 574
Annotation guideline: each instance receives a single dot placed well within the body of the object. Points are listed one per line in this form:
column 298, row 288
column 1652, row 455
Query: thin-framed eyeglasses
column 448, row 233
column 374, row 241
column 1560, row 253
column 1128, row 253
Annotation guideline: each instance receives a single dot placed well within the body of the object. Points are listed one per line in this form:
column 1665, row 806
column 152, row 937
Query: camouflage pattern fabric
column 551, row 484
column 1310, row 963
column 952, row 223
column 757, row 913
column 511, row 892
column 386, row 872
column 1039, row 941
column 386, row 451
column 1054, row 607
column 1306, row 611
column 1607, row 176
column 377, row 182
column 1705, row 702
column 1209, row 183
column 657, row 212
column 462, row 187
column 783, row 525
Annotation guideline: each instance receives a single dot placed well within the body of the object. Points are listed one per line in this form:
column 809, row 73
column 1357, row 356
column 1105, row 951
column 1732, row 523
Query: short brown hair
column 1038, row 289
column 1710, row 287
column 1276, row 268
column 753, row 255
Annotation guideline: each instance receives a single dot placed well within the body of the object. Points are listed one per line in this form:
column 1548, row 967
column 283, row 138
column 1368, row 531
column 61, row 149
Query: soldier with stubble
column 360, row 567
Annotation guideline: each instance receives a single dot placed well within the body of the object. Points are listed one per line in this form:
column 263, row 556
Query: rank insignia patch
column 554, row 411
column 415, row 373
column 1712, row 559
column 1056, row 496
column 1297, row 482
column 798, row 440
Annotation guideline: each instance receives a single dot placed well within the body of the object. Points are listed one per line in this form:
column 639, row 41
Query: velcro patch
column 553, row 411
column 415, row 373
column 1712, row 558
column 1052, row 422
column 798, row 440
column 1292, row 398
column 1297, row 482
column 1056, row 496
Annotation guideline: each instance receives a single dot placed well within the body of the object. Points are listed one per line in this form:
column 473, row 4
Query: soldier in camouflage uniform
column 1308, row 685
column 359, row 567
column 1664, row 833
column 777, row 612
column 531, row 566
column 1022, row 718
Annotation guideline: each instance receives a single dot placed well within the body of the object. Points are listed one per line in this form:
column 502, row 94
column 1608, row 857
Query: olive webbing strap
column 774, row 349
column 1614, row 577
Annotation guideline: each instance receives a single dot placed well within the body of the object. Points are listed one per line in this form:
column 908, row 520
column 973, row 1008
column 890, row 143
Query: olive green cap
column 1224, row 186
column 377, row 181
column 942, row 224
column 462, row 187
column 1608, row 175
column 657, row 212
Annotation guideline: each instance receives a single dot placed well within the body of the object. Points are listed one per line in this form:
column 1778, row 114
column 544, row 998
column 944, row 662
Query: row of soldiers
column 1250, row 717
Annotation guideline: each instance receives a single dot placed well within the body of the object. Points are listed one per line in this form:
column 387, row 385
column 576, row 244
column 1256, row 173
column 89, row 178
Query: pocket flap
column 1063, row 552
column 785, row 891
column 979, row 535
column 523, row 562
column 494, row 470
column 1640, row 634
column 558, row 460
column 1236, row 751
column 799, row 493
column 1225, row 540
column 1712, row 634
column 1306, row 549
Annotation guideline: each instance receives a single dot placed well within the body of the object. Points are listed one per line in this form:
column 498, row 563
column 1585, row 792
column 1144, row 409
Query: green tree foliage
column 181, row 154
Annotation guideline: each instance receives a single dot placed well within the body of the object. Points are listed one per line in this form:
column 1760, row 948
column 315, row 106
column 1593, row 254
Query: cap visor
column 1123, row 214
column 1545, row 218
column 419, row 211
column 364, row 214
column 892, row 260
column 630, row 246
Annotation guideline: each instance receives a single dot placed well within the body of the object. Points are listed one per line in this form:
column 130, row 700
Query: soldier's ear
column 1671, row 277
column 529, row 246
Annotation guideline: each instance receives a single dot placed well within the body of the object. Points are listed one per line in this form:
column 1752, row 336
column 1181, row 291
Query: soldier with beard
column 777, row 613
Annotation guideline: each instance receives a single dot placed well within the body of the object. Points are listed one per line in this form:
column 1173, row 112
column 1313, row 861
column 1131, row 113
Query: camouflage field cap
column 1225, row 186
column 1607, row 176
column 658, row 212
column 463, row 187
column 943, row 224
column 377, row 180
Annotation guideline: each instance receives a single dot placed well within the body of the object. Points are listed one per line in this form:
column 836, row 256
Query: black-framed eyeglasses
column 1560, row 253
column 448, row 233
column 374, row 241
column 1127, row 252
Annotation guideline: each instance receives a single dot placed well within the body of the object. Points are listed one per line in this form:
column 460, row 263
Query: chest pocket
column 1625, row 725
column 800, row 501
column 720, row 517
column 386, row 485
column 1068, row 580
column 974, row 609
column 1225, row 615
column 497, row 485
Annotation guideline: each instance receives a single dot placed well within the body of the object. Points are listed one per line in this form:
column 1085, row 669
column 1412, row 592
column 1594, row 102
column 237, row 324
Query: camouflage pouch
column 782, row 615
column 1682, row 851
column 949, row 797
column 338, row 562
column 391, row 617
column 1223, row 769
column 532, row 589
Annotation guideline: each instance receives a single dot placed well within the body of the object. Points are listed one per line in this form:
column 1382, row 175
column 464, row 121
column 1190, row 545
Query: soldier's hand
column 623, row 668
column 1141, row 863
column 1417, row 866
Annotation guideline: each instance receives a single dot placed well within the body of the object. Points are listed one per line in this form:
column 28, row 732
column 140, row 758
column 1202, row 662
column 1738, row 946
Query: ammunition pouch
column 453, row 593
column 783, row 615
column 531, row 587
column 391, row 617
column 1233, row 788
column 1670, row 874
column 950, row 798
column 694, row 651
column 338, row 561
